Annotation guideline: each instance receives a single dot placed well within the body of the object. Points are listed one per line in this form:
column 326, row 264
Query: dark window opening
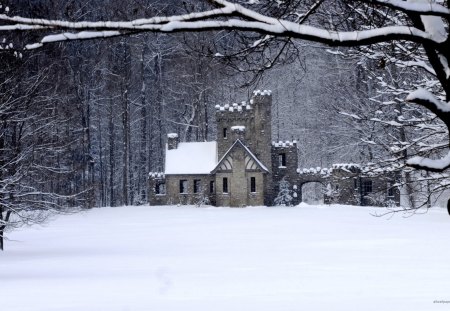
column 225, row 185
column 390, row 190
column 225, row 132
column 367, row 187
column 197, row 186
column 355, row 183
column 160, row 188
column 282, row 159
column 252, row 184
column 183, row 186
column 211, row 186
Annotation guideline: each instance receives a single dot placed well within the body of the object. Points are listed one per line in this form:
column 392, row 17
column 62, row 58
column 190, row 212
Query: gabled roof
column 191, row 158
column 236, row 144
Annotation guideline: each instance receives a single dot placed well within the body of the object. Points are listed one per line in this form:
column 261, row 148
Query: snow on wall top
column 156, row 174
column 234, row 107
column 191, row 158
column 347, row 166
column 263, row 93
column 369, row 170
column 286, row 143
column 242, row 106
column 172, row 135
column 325, row 172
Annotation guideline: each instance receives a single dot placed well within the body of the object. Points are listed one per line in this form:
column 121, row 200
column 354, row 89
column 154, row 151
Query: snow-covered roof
column 239, row 143
column 191, row 158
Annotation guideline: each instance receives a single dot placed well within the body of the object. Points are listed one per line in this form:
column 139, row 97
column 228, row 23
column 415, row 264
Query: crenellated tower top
column 255, row 117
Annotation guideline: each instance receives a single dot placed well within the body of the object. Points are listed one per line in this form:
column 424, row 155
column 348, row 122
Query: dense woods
column 84, row 122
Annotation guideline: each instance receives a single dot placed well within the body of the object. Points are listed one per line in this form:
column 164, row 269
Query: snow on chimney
column 172, row 141
column 238, row 132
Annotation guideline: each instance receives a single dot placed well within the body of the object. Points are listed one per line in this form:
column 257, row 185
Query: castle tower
column 250, row 122
column 256, row 117
column 261, row 136
column 229, row 117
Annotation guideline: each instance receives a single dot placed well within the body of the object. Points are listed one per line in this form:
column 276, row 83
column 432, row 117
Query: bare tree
column 268, row 31
column 421, row 23
column 34, row 157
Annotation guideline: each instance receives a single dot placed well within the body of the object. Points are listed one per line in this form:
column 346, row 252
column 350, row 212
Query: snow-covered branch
column 432, row 165
column 236, row 16
column 428, row 100
column 424, row 8
column 73, row 36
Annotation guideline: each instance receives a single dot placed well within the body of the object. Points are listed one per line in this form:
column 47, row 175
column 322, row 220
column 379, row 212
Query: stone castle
column 243, row 167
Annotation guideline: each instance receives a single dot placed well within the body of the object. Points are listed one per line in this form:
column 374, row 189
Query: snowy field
column 186, row 258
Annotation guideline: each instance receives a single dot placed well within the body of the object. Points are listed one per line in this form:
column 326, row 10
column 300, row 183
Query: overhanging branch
column 236, row 16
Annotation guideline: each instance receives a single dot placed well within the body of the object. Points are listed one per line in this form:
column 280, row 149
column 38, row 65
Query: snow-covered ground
column 187, row 258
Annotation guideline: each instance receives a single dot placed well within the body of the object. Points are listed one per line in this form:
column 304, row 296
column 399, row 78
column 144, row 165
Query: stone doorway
column 313, row 193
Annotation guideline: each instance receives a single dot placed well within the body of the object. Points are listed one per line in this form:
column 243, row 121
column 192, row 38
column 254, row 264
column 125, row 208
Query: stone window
column 367, row 187
column 183, row 186
column 197, row 186
column 160, row 188
column 252, row 184
column 390, row 190
column 282, row 160
column 211, row 186
column 225, row 132
column 225, row 185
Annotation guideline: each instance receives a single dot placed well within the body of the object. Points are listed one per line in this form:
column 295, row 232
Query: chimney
column 172, row 141
column 238, row 132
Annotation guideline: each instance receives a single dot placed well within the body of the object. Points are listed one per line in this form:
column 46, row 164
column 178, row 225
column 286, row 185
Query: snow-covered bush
column 285, row 195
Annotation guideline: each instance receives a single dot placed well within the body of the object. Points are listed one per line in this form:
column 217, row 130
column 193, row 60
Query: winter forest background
column 84, row 122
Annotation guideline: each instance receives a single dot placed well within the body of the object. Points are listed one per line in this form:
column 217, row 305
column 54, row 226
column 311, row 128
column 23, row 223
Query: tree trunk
column 1, row 239
column 112, row 200
column 101, row 165
column 126, row 147
column 2, row 228
column 142, row 184
column 126, row 189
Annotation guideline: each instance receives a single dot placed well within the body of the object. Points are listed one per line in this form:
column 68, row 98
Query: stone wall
column 348, row 185
column 225, row 120
column 256, row 117
column 250, row 122
column 239, row 194
column 287, row 172
column 262, row 135
column 153, row 197
column 173, row 195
